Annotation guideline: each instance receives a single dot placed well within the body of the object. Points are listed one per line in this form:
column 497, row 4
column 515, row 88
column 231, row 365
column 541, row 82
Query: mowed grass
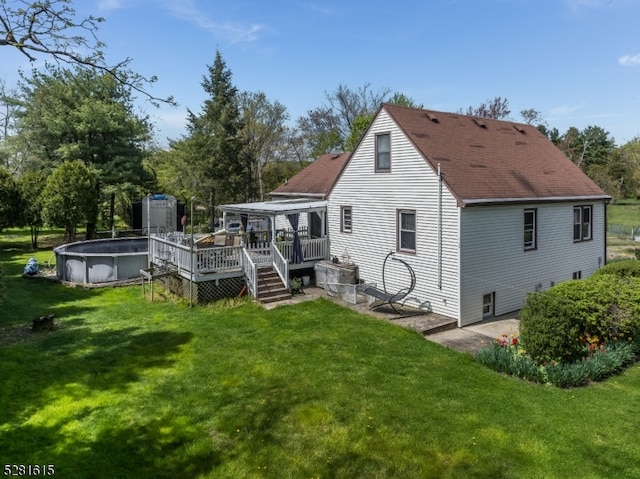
column 624, row 212
column 128, row 388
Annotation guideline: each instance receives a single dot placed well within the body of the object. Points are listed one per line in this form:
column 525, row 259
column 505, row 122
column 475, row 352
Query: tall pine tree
column 210, row 161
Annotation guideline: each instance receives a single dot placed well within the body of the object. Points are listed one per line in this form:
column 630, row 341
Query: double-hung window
column 530, row 229
column 346, row 216
column 383, row 152
column 582, row 223
column 407, row 230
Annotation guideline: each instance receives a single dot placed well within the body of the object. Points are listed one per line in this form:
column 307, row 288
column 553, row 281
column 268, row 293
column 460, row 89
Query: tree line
column 76, row 152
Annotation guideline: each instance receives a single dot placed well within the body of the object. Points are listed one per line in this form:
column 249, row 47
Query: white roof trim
column 275, row 208
column 533, row 199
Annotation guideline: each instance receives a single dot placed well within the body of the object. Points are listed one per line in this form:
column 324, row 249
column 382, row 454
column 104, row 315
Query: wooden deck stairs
column 270, row 287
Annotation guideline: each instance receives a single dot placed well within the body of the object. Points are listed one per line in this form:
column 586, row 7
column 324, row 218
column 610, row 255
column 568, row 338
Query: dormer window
column 383, row 152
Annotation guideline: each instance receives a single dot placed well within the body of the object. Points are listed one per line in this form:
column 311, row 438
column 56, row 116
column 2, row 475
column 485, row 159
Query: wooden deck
column 215, row 262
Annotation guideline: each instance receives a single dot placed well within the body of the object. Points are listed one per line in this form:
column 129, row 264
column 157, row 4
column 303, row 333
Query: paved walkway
column 434, row 327
column 472, row 338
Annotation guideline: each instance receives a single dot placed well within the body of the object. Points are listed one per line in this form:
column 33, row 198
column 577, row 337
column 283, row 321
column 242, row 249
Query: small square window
column 488, row 304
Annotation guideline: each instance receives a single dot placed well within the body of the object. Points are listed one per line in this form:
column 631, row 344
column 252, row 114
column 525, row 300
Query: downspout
column 604, row 261
column 439, row 227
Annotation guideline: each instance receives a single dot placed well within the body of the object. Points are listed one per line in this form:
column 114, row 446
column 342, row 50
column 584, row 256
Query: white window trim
column 377, row 167
column 399, row 230
column 343, row 223
column 534, row 230
column 582, row 224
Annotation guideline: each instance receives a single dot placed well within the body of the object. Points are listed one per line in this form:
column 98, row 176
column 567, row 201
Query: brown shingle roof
column 317, row 179
column 484, row 161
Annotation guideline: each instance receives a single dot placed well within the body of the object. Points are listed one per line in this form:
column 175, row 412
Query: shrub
column 548, row 328
column 557, row 323
column 624, row 269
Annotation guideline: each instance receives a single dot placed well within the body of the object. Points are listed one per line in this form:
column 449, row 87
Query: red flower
column 514, row 341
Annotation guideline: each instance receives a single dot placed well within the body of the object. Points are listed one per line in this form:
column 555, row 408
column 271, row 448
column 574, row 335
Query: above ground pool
column 101, row 261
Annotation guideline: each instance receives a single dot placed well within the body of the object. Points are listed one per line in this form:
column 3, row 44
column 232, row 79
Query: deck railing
column 250, row 270
column 165, row 251
column 280, row 264
column 315, row 249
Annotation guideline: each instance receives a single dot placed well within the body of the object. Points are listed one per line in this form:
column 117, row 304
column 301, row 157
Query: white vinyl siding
column 375, row 200
column 492, row 257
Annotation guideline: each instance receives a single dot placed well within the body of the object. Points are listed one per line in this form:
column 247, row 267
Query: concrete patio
column 433, row 327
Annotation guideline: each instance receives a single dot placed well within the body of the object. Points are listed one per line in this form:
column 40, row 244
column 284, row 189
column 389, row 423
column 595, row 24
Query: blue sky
column 575, row 61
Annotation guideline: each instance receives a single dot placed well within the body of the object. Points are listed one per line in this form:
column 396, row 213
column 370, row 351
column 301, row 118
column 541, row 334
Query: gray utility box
column 328, row 272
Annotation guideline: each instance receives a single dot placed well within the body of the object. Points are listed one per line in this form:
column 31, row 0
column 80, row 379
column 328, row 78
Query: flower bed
column 600, row 360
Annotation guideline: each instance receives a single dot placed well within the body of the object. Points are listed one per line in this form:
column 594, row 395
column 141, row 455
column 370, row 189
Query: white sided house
column 484, row 211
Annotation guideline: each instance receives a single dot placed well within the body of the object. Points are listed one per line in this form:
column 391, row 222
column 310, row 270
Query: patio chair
column 385, row 297
column 220, row 240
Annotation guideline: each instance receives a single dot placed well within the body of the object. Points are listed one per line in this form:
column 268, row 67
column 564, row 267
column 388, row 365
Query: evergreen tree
column 210, row 161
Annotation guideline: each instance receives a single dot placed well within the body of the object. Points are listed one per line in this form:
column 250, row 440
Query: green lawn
column 128, row 388
column 624, row 212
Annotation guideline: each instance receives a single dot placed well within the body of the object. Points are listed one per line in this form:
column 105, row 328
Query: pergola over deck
column 180, row 255
column 289, row 209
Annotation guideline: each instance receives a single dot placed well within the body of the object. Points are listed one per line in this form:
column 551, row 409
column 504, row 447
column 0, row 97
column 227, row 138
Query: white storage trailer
column 159, row 214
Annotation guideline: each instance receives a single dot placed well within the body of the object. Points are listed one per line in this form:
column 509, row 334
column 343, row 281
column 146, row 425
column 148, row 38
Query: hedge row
column 558, row 325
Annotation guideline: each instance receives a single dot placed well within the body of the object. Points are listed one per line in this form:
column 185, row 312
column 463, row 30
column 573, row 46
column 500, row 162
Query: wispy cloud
column 233, row 32
column 108, row 5
column 577, row 5
column 564, row 110
column 630, row 60
column 580, row 4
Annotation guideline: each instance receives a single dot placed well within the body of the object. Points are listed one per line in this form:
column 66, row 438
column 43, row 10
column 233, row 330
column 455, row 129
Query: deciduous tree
column 90, row 117
column 9, row 200
column 497, row 109
column 31, row 185
column 50, row 29
column 328, row 127
column 262, row 133
column 69, row 197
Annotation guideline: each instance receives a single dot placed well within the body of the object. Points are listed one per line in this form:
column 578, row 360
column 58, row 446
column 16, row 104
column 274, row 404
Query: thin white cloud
column 233, row 32
column 577, row 5
column 564, row 110
column 108, row 5
column 630, row 60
